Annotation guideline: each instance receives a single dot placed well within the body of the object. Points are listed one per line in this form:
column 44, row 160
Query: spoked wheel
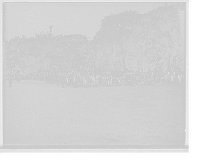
column 147, row 78
column 137, row 78
column 156, row 78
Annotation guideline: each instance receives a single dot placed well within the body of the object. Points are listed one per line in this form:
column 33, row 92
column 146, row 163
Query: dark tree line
column 129, row 48
column 43, row 51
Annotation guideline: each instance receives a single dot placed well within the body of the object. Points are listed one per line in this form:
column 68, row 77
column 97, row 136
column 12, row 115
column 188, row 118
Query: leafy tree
column 126, row 40
column 117, row 29
column 151, row 37
column 44, row 50
column 167, row 19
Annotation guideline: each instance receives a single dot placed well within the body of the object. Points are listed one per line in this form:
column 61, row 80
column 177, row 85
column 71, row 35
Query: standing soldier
column 122, row 78
column 93, row 78
column 97, row 77
column 170, row 75
column 84, row 77
column 104, row 77
column 109, row 77
column 76, row 76
column 81, row 78
column 10, row 77
column 179, row 75
column 62, row 80
column 88, row 79
column 118, row 78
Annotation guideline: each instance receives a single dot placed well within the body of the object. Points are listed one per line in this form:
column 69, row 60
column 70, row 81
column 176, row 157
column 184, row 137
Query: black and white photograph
column 95, row 75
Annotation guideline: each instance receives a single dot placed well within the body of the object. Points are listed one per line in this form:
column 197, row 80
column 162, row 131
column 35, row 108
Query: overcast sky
column 67, row 18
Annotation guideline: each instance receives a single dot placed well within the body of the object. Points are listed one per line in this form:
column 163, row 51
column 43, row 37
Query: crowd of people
column 99, row 77
column 175, row 75
column 18, row 76
column 76, row 78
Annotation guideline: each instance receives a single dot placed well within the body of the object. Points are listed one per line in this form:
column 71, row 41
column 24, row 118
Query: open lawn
column 36, row 113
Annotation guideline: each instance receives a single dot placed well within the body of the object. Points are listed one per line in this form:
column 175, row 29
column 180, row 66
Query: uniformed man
column 76, row 75
column 109, row 77
column 88, row 79
column 97, row 78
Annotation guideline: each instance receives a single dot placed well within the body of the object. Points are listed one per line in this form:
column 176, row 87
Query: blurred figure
column 88, row 79
column 109, row 77
column 97, row 78
column 103, row 77
column 10, row 77
column 70, row 78
column 92, row 78
column 84, row 78
column 18, row 76
column 76, row 76
column 34, row 76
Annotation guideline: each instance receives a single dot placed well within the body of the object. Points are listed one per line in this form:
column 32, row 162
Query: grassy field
column 36, row 113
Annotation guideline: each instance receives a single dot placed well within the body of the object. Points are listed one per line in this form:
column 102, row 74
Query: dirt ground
column 36, row 113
